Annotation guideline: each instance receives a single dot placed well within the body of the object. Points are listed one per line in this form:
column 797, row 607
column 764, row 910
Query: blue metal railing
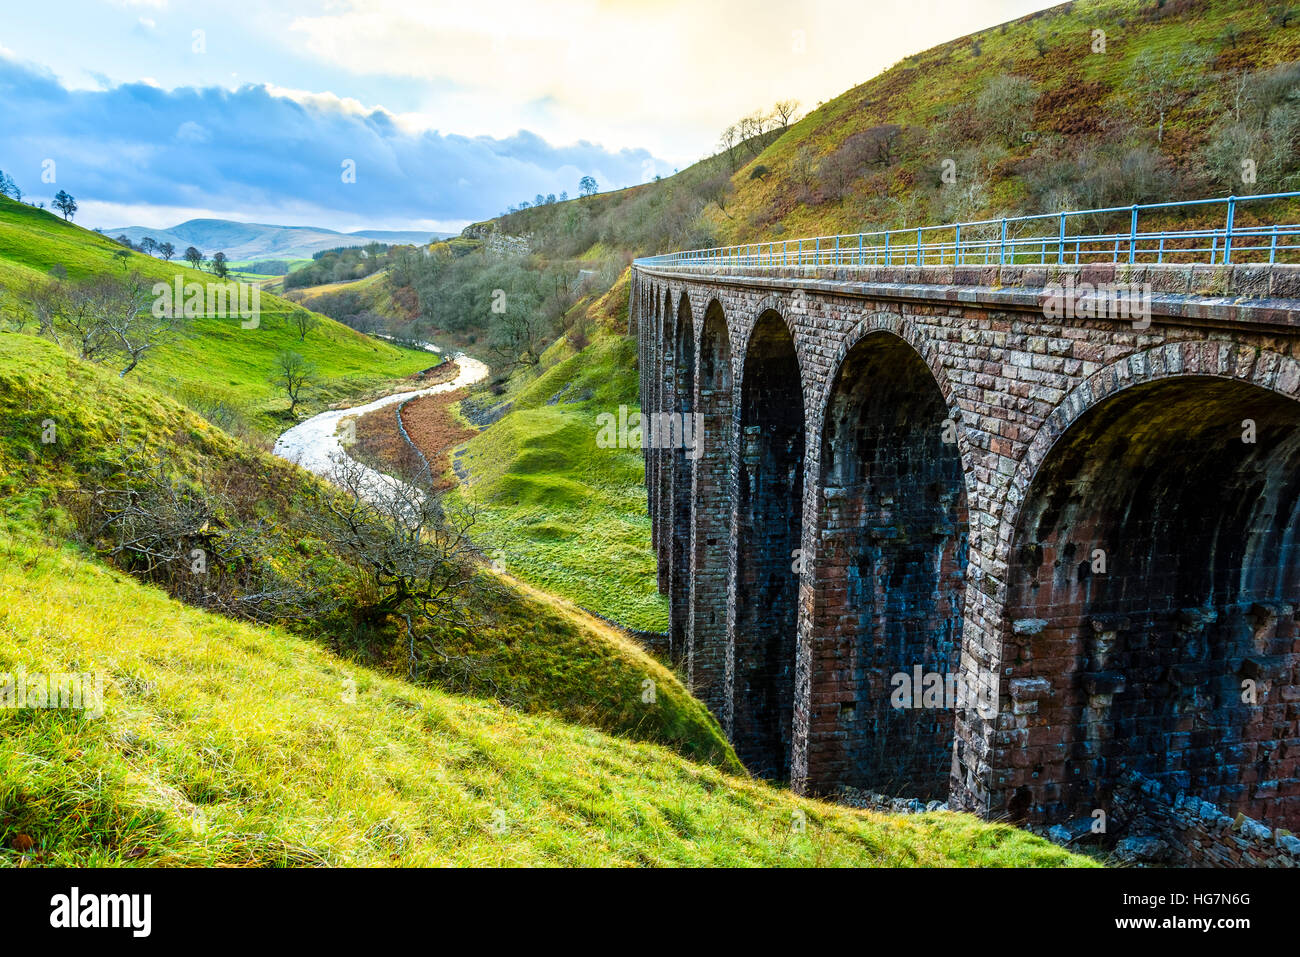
column 1076, row 237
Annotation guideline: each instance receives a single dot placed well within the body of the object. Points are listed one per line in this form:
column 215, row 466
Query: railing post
column 1002, row 254
column 1227, row 235
column 1272, row 247
column 918, row 245
column 1060, row 253
column 886, row 247
column 859, row 249
column 956, row 254
column 1133, row 236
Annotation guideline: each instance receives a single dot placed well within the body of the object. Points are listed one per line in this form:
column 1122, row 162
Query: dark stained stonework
column 911, row 467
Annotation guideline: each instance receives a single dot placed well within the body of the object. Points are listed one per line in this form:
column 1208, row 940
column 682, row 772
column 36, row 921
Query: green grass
column 564, row 514
column 225, row 743
column 212, row 360
column 526, row 651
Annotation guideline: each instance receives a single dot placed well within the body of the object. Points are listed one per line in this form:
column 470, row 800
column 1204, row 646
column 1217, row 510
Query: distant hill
column 245, row 241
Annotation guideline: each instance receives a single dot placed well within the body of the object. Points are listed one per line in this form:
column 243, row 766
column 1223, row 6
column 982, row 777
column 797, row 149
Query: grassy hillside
column 516, row 648
column 227, row 744
column 213, row 364
column 1032, row 120
column 1088, row 104
column 562, row 513
column 230, row 743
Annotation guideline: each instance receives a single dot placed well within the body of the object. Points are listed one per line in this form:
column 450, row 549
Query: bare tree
column 727, row 141
column 156, row 526
column 784, row 112
column 1164, row 80
column 413, row 546
column 167, row 251
column 102, row 318
column 293, row 374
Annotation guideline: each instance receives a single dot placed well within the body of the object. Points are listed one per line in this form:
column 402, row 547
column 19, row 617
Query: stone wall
column 1186, row 831
column 1148, row 659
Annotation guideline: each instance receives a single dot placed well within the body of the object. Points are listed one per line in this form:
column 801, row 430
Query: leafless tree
column 784, row 112
column 155, row 525
column 413, row 546
column 1164, row 80
column 103, row 318
column 727, row 143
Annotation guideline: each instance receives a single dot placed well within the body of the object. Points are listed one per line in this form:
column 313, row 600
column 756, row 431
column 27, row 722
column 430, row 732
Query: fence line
column 1073, row 237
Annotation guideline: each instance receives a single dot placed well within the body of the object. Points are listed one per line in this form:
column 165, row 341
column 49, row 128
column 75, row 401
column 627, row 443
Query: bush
column 1004, row 108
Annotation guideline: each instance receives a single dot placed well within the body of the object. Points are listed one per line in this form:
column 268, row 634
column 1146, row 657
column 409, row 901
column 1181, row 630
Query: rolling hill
column 213, row 364
column 247, row 241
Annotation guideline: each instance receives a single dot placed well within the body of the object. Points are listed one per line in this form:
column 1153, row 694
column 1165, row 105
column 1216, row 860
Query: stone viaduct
column 1086, row 528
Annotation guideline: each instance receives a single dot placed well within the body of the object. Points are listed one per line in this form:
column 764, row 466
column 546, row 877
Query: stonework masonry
column 1092, row 522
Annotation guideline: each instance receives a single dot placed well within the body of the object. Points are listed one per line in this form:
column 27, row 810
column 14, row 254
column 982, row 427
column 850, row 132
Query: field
column 213, row 364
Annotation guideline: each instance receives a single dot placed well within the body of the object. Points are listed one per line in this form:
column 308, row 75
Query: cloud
column 668, row 74
column 263, row 153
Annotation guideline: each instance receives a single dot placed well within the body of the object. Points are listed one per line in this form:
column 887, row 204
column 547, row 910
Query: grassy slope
column 213, row 359
column 918, row 92
column 566, row 515
column 534, row 656
column 226, row 743
column 1083, row 99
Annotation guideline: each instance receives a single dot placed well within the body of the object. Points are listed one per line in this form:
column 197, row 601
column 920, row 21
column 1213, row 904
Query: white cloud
column 667, row 75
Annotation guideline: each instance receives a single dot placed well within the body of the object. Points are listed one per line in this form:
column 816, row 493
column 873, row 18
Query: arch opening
column 1151, row 612
column 682, row 458
column 770, row 495
column 893, row 534
column 707, row 626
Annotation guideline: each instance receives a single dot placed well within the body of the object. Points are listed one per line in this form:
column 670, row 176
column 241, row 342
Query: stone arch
column 898, row 325
column 664, row 469
column 680, row 436
column 1152, row 568
column 768, row 304
column 711, row 493
column 890, row 526
column 767, row 531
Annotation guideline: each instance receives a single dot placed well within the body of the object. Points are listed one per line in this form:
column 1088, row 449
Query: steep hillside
column 225, row 744
column 562, row 512
column 212, row 364
column 229, row 743
column 1084, row 105
column 514, row 647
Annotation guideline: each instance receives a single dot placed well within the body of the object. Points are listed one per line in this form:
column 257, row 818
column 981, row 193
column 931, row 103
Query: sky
column 412, row 114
